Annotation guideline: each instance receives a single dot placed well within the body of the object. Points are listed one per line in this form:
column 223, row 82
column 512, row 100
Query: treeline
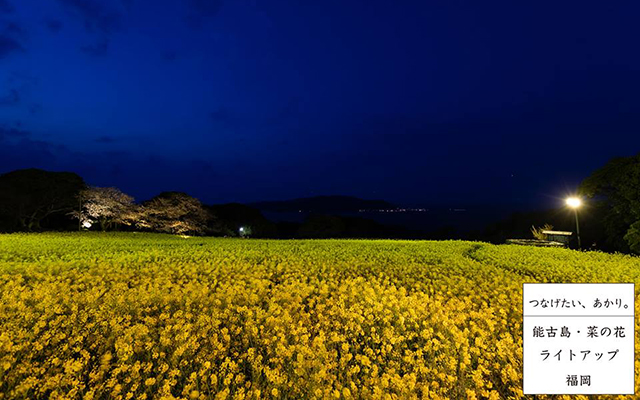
column 33, row 200
column 37, row 200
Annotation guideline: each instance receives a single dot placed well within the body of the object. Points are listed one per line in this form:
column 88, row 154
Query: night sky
column 425, row 102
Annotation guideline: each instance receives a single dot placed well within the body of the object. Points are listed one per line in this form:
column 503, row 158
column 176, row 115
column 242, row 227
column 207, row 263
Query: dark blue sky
column 413, row 102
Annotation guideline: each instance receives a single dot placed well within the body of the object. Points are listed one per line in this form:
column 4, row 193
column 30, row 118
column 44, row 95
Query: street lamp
column 575, row 203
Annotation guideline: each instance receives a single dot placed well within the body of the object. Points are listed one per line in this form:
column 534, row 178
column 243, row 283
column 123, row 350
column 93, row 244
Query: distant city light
column 574, row 202
column 392, row 210
column 241, row 229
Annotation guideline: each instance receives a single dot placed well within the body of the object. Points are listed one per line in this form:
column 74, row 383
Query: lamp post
column 575, row 203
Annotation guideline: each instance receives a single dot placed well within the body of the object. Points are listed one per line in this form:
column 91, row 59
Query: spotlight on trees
column 244, row 231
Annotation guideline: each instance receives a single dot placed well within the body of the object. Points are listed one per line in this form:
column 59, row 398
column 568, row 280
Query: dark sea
column 460, row 219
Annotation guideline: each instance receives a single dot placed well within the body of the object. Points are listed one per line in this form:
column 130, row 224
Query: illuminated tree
column 105, row 205
column 173, row 212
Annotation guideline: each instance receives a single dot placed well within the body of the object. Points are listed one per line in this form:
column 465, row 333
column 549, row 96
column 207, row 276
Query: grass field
column 134, row 316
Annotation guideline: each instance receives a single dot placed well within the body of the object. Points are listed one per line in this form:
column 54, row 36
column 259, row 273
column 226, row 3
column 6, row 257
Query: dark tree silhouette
column 227, row 219
column 616, row 189
column 29, row 196
column 322, row 226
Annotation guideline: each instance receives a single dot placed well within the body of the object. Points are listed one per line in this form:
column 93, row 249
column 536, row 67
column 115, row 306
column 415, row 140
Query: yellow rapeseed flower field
column 143, row 316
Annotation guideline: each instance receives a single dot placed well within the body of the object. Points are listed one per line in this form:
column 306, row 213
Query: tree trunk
column 79, row 214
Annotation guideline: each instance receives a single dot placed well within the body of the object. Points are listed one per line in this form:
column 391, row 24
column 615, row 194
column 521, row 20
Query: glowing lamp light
column 86, row 224
column 574, row 202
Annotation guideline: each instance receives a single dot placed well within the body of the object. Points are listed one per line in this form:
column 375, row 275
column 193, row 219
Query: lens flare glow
column 574, row 202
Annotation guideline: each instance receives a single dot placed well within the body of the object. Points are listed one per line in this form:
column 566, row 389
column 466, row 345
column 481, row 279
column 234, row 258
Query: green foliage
column 633, row 237
column 245, row 231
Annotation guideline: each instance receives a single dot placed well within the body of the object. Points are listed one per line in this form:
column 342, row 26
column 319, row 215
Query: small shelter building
column 559, row 236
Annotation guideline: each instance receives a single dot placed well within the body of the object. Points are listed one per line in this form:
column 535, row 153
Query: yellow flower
column 233, row 319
